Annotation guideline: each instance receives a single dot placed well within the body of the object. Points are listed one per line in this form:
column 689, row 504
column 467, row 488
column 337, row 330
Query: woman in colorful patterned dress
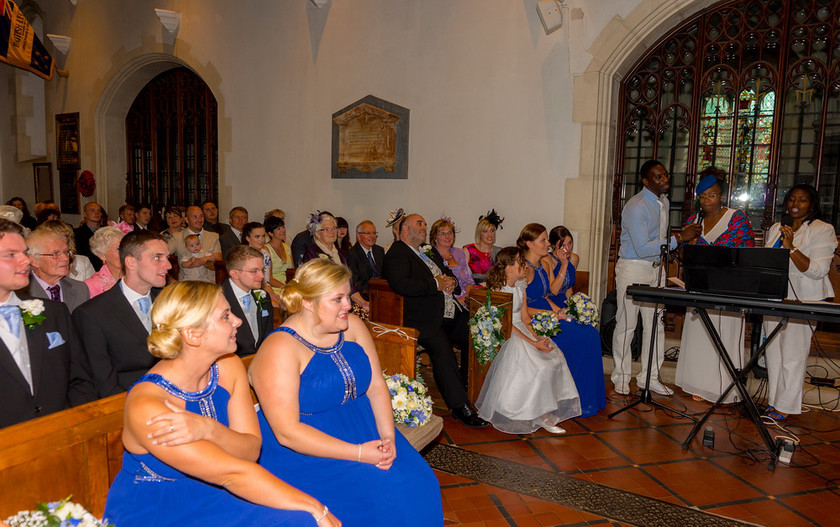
column 483, row 252
column 700, row 371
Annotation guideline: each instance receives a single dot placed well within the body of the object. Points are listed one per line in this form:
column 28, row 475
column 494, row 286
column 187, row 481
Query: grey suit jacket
column 75, row 293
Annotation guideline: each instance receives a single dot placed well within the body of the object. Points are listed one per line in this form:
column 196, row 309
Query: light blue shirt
column 640, row 227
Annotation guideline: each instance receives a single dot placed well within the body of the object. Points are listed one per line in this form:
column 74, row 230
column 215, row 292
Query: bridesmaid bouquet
column 62, row 513
column 581, row 308
column 545, row 324
column 486, row 331
column 411, row 403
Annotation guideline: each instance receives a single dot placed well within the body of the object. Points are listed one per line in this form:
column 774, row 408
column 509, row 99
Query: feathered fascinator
column 449, row 220
column 396, row 215
column 315, row 221
column 493, row 218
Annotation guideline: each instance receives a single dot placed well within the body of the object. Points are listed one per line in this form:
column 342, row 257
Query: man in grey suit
column 233, row 234
column 50, row 267
column 43, row 368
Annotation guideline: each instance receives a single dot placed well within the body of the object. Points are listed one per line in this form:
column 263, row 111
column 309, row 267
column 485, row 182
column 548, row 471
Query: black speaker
column 607, row 327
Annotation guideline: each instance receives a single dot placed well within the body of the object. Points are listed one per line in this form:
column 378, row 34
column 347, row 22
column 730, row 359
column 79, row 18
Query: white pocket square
column 55, row 339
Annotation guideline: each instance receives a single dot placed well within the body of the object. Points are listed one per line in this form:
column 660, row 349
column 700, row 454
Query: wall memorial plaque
column 370, row 140
column 67, row 141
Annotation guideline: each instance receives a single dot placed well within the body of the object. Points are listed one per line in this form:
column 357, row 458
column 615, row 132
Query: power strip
column 822, row 381
column 786, row 451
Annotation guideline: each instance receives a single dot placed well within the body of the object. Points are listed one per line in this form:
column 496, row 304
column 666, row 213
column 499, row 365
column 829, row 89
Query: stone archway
column 614, row 52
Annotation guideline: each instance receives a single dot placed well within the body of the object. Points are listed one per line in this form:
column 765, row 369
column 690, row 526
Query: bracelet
column 793, row 250
column 360, row 453
column 323, row 515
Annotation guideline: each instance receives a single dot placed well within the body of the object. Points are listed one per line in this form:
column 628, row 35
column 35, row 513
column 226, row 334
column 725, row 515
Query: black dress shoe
column 467, row 415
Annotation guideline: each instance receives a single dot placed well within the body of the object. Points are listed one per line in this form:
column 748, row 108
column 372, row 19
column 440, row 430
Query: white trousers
column 629, row 272
column 787, row 355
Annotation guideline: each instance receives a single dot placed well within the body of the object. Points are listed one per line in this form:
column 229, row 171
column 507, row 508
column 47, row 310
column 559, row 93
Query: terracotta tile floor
column 639, row 452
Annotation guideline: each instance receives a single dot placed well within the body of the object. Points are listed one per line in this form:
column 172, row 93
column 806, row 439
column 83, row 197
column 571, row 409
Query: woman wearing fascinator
column 394, row 224
column 699, row 370
column 483, row 252
column 442, row 239
column 324, row 229
column 811, row 243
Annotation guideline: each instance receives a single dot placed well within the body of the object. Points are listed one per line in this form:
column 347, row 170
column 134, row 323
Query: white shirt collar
column 130, row 294
column 238, row 292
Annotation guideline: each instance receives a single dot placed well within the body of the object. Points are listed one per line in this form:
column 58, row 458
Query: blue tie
column 246, row 303
column 11, row 314
column 144, row 304
column 372, row 263
column 55, row 293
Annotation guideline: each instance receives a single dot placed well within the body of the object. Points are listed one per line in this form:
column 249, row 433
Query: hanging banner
column 20, row 46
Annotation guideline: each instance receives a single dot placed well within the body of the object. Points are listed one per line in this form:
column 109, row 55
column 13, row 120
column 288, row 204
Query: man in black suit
column 92, row 218
column 43, row 368
column 114, row 326
column 427, row 285
column 211, row 218
column 247, row 300
column 365, row 259
column 233, row 233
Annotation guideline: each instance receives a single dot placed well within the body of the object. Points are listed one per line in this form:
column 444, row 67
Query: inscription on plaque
column 367, row 139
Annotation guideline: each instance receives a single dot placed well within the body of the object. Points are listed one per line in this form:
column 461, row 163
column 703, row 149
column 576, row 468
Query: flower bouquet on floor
column 545, row 324
column 486, row 331
column 410, row 400
column 582, row 309
column 62, row 513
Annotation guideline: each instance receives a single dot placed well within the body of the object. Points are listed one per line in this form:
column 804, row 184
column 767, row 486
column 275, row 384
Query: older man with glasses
column 50, row 269
column 365, row 260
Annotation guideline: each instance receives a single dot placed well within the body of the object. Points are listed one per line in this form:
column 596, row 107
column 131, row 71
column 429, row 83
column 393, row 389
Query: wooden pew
column 477, row 373
column 386, row 306
column 396, row 347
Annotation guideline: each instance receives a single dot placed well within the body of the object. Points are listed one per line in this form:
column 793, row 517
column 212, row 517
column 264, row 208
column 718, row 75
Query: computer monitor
column 755, row 272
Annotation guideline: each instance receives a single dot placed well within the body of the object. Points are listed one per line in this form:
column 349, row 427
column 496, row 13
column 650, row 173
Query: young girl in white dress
column 529, row 385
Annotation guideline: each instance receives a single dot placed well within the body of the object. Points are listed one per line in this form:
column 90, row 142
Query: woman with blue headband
column 699, row 369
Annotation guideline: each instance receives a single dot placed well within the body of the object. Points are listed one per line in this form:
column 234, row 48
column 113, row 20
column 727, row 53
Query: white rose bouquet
column 545, row 324
column 582, row 309
column 409, row 399
column 32, row 313
column 486, row 331
column 62, row 513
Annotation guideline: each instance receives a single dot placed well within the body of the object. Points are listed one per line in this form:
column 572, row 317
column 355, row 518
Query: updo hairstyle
column 312, row 280
column 179, row 306
column 496, row 278
column 559, row 234
column 529, row 233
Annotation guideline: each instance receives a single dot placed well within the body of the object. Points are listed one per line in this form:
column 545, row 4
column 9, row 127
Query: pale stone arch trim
column 614, row 52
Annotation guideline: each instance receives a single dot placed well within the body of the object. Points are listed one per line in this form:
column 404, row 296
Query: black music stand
column 645, row 394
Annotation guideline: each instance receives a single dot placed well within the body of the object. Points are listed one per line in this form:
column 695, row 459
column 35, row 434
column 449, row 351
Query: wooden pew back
column 477, row 373
column 386, row 306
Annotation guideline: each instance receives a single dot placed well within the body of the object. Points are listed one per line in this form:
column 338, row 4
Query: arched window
column 172, row 142
column 749, row 86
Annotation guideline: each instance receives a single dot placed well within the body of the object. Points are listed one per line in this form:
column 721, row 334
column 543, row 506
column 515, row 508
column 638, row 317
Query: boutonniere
column 427, row 250
column 32, row 313
column 262, row 298
column 324, row 256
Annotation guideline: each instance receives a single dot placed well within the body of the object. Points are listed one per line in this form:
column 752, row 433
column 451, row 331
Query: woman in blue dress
column 325, row 410
column 580, row 344
column 191, row 435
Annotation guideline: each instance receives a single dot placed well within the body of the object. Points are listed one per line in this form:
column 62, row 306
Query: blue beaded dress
column 333, row 399
column 580, row 344
column 148, row 492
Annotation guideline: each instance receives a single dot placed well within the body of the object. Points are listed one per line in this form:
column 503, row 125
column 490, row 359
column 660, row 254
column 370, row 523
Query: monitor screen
column 756, row 272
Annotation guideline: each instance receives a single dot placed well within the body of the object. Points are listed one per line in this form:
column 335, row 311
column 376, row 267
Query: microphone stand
column 645, row 393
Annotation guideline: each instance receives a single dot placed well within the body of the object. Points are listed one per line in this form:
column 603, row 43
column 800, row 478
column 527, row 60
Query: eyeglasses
column 368, row 233
column 707, row 195
column 445, row 233
column 55, row 255
column 252, row 271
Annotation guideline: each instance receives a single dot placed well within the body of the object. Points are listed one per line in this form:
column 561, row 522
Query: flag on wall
column 20, row 46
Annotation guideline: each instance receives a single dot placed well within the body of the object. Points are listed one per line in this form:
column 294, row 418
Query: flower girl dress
column 527, row 389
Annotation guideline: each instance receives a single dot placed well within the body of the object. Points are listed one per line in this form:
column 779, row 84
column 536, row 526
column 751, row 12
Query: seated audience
column 173, row 223
column 211, row 218
column 114, row 326
column 50, row 260
column 106, row 245
column 529, row 385
column 342, row 240
column 81, row 268
column 193, row 265
column 46, row 211
column 277, row 213
column 442, row 239
column 210, row 247
column 127, row 218
column 324, row 231
column 365, row 260
column 483, row 251
column 91, row 220
column 325, row 410
column 233, row 234
column 243, row 291
column 811, row 243
column 191, row 437
column 27, row 220
column 279, row 251
column 253, row 235
column 143, row 217
column 31, row 385
column 428, row 288
column 700, row 371
column 580, row 344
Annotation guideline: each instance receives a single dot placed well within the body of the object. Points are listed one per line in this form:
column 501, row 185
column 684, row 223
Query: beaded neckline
column 181, row 394
column 317, row 349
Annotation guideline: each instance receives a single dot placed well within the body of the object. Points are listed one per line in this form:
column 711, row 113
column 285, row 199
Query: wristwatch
column 793, row 250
